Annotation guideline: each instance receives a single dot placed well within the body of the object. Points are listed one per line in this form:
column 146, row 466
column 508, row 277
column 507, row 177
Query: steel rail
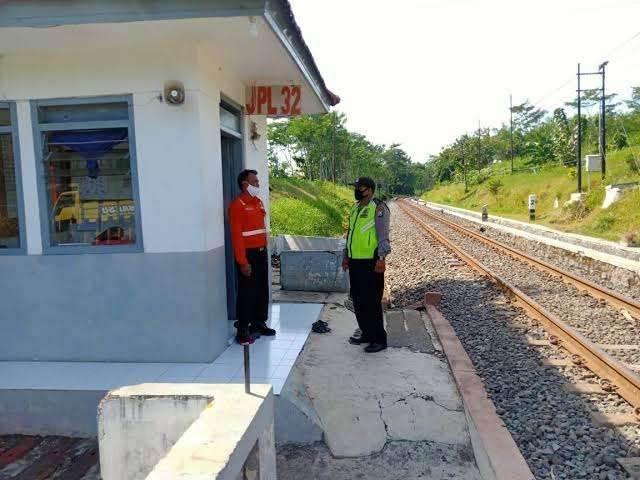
column 614, row 298
column 626, row 383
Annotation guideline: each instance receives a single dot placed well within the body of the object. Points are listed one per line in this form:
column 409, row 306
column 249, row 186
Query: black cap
column 364, row 182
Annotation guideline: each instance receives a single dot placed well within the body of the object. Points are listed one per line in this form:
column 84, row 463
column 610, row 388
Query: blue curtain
column 91, row 144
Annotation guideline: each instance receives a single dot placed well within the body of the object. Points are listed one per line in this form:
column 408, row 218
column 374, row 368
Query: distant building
column 112, row 198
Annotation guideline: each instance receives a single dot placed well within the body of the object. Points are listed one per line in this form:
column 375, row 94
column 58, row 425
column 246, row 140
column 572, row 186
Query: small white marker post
column 532, row 206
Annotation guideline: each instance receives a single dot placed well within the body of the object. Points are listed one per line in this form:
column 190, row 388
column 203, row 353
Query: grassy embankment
column 550, row 182
column 314, row 208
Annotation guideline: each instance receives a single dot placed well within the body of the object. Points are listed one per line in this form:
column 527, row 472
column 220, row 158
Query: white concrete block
column 217, row 445
column 138, row 425
column 185, row 431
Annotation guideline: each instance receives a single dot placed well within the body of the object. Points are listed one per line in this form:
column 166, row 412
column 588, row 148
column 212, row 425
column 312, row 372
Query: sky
column 422, row 72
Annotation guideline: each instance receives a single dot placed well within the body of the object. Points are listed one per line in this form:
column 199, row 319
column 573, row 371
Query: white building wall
column 215, row 82
column 256, row 154
column 177, row 147
column 169, row 174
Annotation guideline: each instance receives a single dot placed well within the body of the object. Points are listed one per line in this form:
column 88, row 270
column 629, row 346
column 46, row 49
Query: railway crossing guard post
column 532, row 206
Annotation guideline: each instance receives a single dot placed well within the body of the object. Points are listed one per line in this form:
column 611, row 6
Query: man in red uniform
column 249, row 239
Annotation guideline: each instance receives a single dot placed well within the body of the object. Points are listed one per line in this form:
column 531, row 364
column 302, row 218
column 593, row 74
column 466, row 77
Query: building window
column 87, row 166
column 11, row 223
column 230, row 120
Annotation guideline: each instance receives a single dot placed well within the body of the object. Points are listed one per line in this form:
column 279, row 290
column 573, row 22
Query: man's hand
column 246, row 269
column 381, row 266
column 345, row 264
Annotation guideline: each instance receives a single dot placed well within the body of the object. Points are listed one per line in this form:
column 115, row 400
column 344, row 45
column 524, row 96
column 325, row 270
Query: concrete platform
column 415, row 410
column 61, row 398
column 393, row 414
column 598, row 249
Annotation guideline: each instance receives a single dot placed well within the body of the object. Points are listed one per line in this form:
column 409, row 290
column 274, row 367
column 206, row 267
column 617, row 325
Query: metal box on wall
column 312, row 264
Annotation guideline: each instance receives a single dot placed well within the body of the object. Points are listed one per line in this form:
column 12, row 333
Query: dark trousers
column 367, row 287
column 252, row 302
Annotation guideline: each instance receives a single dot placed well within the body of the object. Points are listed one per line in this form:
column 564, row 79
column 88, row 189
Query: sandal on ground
column 320, row 327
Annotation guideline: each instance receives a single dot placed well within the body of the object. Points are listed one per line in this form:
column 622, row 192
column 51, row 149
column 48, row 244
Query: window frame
column 15, row 147
column 39, row 129
column 232, row 107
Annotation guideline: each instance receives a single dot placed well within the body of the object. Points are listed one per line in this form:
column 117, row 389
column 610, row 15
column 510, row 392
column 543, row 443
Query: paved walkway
column 395, row 414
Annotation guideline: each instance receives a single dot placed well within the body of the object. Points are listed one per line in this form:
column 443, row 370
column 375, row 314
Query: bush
column 575, row 211
column 632, row 162
column 292, row 216
column 604, row 222
column 632, row 239
column 494, row 185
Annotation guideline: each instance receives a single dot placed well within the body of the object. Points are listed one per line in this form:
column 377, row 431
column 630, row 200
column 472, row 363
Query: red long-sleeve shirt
column 246, row 219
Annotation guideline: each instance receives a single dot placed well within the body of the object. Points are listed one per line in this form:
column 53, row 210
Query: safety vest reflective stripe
column 367, row 226
column 251, row 233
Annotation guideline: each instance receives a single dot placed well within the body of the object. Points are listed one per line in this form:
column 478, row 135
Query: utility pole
column 602, row 140
column 579, row 139
column 333, row 148
column 464, row 171
column 511, row 130
column 479, row 159
column 603, row 115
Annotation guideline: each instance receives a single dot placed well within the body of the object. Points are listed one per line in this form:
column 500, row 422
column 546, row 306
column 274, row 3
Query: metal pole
column 333, row 147
column 511, row 130
column 247, row 370
column 479, row 161
column 464, row 171
column 603, row 131
column 579, row 139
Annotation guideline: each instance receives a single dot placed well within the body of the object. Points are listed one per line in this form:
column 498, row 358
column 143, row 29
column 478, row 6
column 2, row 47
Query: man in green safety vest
column 364, row 257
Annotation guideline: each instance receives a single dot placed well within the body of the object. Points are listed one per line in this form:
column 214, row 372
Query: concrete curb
column 497, row 455
column 601, row 250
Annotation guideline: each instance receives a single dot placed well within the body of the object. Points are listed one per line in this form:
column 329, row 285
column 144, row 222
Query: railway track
column 586, row 352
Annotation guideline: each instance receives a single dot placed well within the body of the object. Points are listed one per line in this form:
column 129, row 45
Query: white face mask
column 253, row 191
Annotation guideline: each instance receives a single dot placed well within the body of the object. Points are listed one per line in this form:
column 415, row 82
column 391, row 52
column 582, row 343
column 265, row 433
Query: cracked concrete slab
column 363, row 401
column 398, row 461
column 417, row 419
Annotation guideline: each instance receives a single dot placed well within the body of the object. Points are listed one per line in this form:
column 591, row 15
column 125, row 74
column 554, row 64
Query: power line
column 623, row 44
column 607, row 55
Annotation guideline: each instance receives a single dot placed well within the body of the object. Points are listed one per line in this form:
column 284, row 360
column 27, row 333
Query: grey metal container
column 311, row 263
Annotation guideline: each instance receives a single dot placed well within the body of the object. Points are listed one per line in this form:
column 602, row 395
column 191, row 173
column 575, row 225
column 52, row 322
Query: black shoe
column 262, row 329
column 375, row 347
column 357, row 340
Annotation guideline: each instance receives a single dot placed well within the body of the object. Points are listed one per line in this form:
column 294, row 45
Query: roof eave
column 277, row 13
column 279, row 16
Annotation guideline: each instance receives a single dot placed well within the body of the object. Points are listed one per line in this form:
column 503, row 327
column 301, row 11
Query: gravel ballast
column 615, row 278
column 552, row 428
column 593, row 318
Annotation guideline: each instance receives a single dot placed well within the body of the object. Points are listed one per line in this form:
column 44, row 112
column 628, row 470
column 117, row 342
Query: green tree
column 526, row 117
column 634, row 102
column 561, row 137
column 399, row 175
